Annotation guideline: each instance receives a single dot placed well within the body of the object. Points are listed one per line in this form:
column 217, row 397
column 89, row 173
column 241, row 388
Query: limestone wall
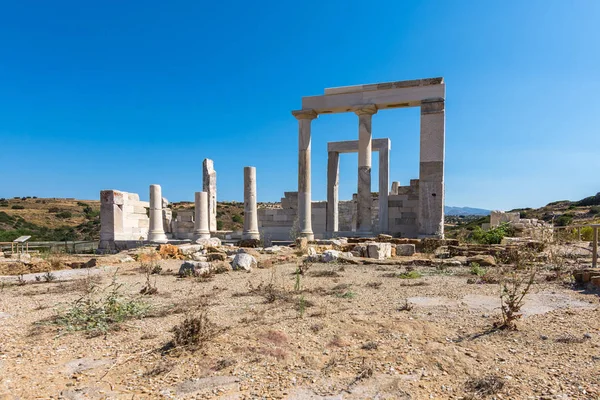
column 498, row 218
column 183, row 224
column 123, row 216
column 403, row 211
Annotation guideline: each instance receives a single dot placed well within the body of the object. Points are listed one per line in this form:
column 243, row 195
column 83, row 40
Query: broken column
column 305, row 118
column 156, row 234
column 384, row 181
column 333, row 181
column 431, row 170
column 395, row 186
column 364, row 199
column 209, row 185
column 250, row 213
column 201, row 230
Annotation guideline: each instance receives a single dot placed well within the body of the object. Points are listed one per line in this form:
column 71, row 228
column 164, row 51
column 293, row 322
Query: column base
column 201, row 235
column 308, row 235
column 251, row 235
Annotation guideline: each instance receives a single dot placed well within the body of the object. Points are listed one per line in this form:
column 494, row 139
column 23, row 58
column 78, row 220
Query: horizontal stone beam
column 384, row 86
column 351, row 146
column 387, row 98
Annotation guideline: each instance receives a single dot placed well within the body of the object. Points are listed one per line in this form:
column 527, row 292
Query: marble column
column 395, row 186
column 430, row 217
column 156, row 233
column 333, row 181
column 201, row 216
column 209, row 185
column 384, row 181
column 250, row 212
column 305, row 118
column 364, row 200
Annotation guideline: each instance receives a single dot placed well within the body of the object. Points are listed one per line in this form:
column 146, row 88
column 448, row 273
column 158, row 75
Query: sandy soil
column 343, row 335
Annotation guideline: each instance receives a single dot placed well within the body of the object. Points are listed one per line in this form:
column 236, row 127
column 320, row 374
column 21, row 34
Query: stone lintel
column 412, row 96
column 384, row 86
column 351, row 146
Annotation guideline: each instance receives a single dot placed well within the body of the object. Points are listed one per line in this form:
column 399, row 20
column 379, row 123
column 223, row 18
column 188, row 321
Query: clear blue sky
column 122, row 94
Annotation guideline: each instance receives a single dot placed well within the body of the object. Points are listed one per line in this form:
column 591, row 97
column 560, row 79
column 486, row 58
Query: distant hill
column 449, row 210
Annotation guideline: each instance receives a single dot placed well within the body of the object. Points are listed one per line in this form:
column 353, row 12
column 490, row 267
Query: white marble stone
column 250, row 208
column 363, row 217
column 209, row 185
column 156, row 233
column 201, row 216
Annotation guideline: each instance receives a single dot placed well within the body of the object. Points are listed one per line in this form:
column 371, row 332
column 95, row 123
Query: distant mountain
column 449, row 210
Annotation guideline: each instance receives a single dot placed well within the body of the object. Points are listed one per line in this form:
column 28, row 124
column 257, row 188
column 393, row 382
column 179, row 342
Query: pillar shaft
column 364, row 200
column 333, row 181
column 431, row 170
column 395, row 186
column 209, row 185
column 305, row 118
column 201, row 216
column 156, row 232
column 250, row 212
column 384, row 181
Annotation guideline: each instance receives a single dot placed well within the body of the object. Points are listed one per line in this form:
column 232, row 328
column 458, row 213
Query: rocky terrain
column 322, row 320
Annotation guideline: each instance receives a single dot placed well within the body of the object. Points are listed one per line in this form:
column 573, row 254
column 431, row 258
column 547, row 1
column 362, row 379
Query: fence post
column 595, row 248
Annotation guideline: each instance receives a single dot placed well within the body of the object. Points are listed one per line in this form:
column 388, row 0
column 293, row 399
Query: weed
column 374, row 285
column 568, row 338
column 409, row 275
column 224, row 363
column 514, row 289
column 485, row 386
column 346, row 295
column 477, row 270
column 369, row 346
column 316, row 327
column 96, row 313
column 324, row 274
column 196, row 330
column 301, row 306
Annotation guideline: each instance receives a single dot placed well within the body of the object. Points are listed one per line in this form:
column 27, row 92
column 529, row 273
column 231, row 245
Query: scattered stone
column 484, row 260
column 252, row 243
column 543, row 337
column 272, row 249
column 379, row 251
column 302, row 244
column 244, row 261
column 188, row 249
column 405, row 249
column 194, row 268
column 126, row 259
column 91, row 263
column 383, row 237
column 199, row 256
column 330, row 255
column 311, row 252
column 213, row 242
column 587, row 336
column 216, row 257
column 170, row 251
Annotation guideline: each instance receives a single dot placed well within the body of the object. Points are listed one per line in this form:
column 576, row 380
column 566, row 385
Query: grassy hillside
column 49, row 219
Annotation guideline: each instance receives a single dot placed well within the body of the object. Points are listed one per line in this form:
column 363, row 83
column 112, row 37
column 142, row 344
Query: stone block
column 405, row 249
column 379, row 251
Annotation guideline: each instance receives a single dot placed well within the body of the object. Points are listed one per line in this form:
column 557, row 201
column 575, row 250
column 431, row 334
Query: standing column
column 250, row 213
column 209, row 185
column 430, row 215
column 384, row 181
column 201, row 216
column 305, row 118
column 333, row 181
column 364, row 200
column 156, row 233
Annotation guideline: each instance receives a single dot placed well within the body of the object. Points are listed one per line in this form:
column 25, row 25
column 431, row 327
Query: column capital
column 365, row 109
column 305, row 114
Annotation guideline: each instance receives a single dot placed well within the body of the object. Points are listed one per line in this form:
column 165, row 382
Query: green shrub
column 53, row 210
column 492, row 236
column 564, row 220
column 409, row 275
column 64, row 214
column 4, row 217
column 18, row 207
column 587, row 233
column 219, row 225
column 476, row 269
column 595, row 210
column 237, row 218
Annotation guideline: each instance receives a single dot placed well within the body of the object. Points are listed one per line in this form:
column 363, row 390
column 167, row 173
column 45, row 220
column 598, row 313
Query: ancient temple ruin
column 412, row 211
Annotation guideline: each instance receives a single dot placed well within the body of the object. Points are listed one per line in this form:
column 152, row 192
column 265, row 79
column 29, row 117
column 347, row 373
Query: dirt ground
column 337, row 331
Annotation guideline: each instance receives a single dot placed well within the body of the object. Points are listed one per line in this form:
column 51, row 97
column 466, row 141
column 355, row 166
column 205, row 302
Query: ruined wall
column 403, row 211
column 123, row 217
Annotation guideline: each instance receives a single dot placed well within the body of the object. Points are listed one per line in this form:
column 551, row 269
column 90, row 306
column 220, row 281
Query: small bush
column 18, row 207
column 595, row 210
column 96, row 313
column 485, row 386
column 237, row 218
column 409, row 275
column 196, row 330
column 564, row 220
column 477, row 270
column 219, row 225
column 492, row 236
column 64, row 214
